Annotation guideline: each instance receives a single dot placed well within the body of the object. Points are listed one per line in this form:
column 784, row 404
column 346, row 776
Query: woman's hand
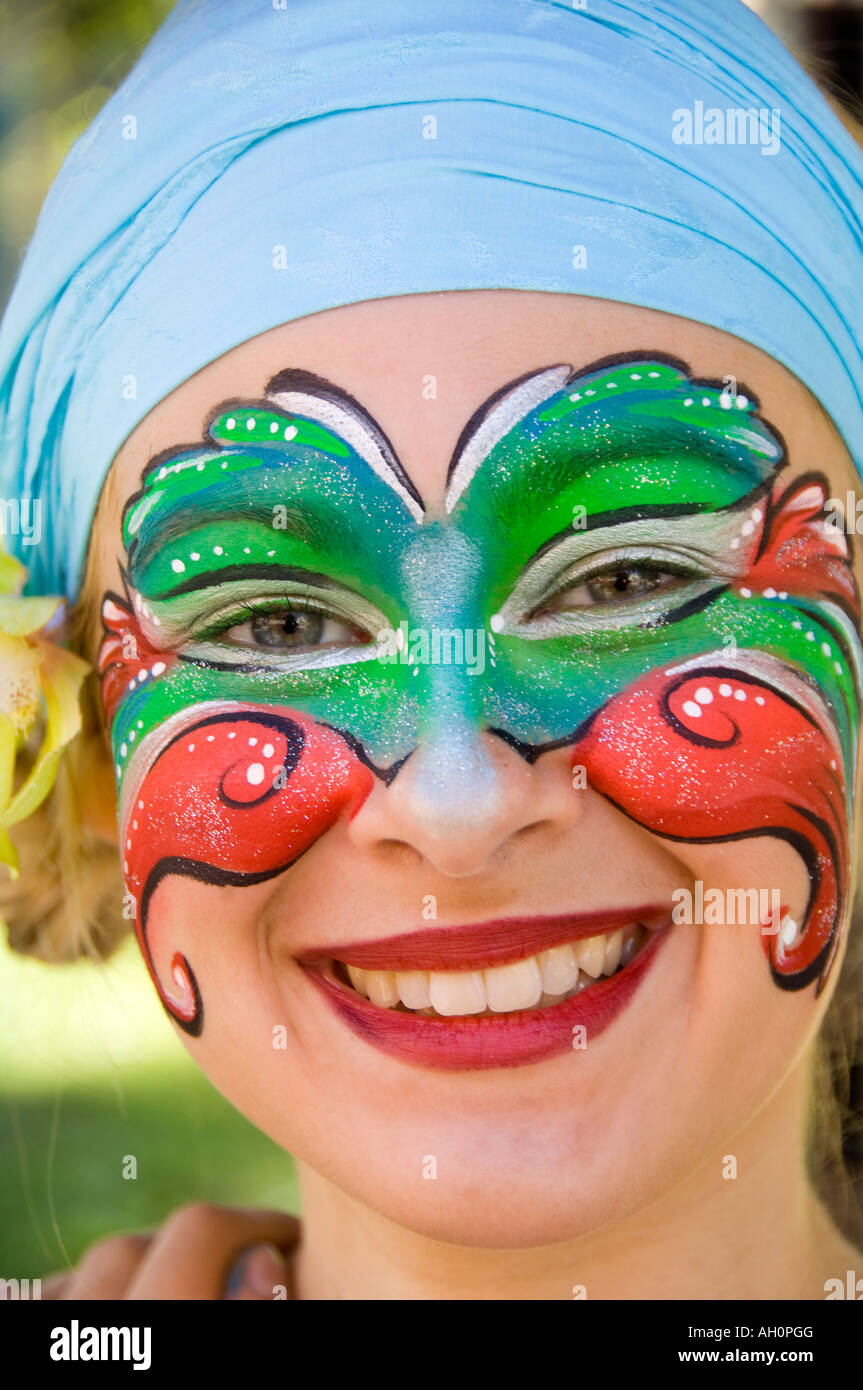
column 201, row 1252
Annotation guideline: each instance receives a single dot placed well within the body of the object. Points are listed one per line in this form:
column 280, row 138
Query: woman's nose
column 464, row 799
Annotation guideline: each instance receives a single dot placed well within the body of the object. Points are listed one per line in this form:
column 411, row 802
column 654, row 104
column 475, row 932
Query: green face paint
column 598, row 531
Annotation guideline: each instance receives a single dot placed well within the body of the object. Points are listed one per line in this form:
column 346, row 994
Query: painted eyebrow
column 312, row 527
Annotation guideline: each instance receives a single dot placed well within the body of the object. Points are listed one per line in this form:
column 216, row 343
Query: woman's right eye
column 290, row 628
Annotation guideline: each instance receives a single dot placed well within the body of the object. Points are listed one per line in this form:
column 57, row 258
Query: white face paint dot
column 782, row 594
column 705, row 400
column 576, row 396
column 704, row 695
column 217, row 550
column 132, row 735
column 140, row 723
column 140, row 805
column 635, row 376
column 177, row 566
column 230, row 424
column 837, row 667
column 122, row 750
column 496, row 622
column 692, row 709
column 769, row 593
column 232, row 735
column 142, row 674
column 746, row 593
column 689, row 401
column 747, row 528
column 833, row 764
column 191, row 748
column 590, row 393
column 810, row 637
column 268, row 750
column 119, row 769
column 253, row 742
column 134, row 825
column 255, row 774
column 735, row 544
column 653, row 374
column 195, row 555
column 742, row 402
column 250, row 423
column 825, row 647
column 200, row 468
column 759, row 699
column 725, row 689
column 271, row 553
column 133, row 684
column 210, row 737
column 291, row 432
column 128, row 844
column 740, row 694
column 157, row 668
column 610, row 385
column 274, row 427
column 757, row 514
column 789, row 931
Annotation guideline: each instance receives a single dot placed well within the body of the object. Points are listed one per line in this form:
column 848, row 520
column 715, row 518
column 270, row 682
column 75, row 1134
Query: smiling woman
column 479, row 673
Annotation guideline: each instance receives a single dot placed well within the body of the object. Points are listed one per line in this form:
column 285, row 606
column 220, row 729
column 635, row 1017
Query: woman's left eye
column 615, row 584
column 288, row 628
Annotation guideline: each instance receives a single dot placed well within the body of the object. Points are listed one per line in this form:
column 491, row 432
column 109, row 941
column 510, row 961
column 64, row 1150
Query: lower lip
column 477, row 1044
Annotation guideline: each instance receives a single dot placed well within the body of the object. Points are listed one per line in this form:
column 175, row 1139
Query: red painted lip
column 477, row 1044
column 482, row 944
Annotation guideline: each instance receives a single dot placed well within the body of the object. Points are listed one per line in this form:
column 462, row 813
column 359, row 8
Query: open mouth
column 536, row 982
column 514, row 992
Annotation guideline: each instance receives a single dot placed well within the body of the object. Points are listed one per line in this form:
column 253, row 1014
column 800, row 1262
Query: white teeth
column 544, row 979
column 358, row 979
column 516, row 986
column 613, row 948
column 456, row 992
column 413, row 987
column 381, row 985
column 590, row 954
column 559, row 969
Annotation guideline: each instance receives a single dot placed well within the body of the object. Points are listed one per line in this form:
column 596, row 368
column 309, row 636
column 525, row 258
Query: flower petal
column 62, row 675
column 19, row 617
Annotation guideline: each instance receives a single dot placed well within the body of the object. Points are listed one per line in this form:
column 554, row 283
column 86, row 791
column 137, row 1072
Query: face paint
column 651, row 597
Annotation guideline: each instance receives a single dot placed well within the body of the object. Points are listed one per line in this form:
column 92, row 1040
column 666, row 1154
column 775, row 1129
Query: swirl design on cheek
column 714, row 755
column 235, row 797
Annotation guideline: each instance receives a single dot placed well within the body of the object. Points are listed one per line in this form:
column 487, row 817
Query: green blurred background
column 90, row 1068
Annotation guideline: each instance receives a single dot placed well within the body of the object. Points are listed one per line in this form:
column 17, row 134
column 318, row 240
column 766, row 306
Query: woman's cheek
column 227, row 798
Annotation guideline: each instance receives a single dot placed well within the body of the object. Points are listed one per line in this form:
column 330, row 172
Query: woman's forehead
column 421, row 365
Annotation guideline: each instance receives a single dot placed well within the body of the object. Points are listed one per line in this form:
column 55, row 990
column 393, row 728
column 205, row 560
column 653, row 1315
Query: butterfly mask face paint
column 617, row 569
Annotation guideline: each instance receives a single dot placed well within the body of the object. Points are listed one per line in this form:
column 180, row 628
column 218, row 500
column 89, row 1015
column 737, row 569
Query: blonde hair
column 68, row 900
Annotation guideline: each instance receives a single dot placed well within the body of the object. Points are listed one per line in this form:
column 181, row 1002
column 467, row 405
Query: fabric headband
column 267, row 160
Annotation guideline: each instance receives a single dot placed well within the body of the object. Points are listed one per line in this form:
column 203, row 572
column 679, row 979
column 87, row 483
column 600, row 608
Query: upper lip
column 479, row 945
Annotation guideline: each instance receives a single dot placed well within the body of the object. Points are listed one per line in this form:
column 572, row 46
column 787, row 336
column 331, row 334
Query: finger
column 107, row 1269
column 193, row 1252
column 54, row 1284
column 259, row 1273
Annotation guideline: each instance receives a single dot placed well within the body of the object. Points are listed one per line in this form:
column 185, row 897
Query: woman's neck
column 759, row 1235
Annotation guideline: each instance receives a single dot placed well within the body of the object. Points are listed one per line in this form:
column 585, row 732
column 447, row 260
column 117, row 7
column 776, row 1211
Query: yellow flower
column 36, row 675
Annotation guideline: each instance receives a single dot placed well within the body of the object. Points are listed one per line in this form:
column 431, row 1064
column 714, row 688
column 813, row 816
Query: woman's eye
column 290, row 627
column 625, row 581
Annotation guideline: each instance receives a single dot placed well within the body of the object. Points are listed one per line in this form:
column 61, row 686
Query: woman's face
column 484, row 721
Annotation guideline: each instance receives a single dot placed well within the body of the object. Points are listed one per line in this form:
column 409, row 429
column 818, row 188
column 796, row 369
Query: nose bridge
column 452, row 772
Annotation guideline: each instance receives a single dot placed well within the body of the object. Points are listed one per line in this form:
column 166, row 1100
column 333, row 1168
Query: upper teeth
column 546, row 978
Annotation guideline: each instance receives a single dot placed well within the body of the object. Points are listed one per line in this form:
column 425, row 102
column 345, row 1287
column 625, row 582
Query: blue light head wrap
column 267, row 159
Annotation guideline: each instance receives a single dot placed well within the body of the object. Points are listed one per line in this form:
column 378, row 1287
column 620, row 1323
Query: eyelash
column 247, row 611
column 617, row 563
